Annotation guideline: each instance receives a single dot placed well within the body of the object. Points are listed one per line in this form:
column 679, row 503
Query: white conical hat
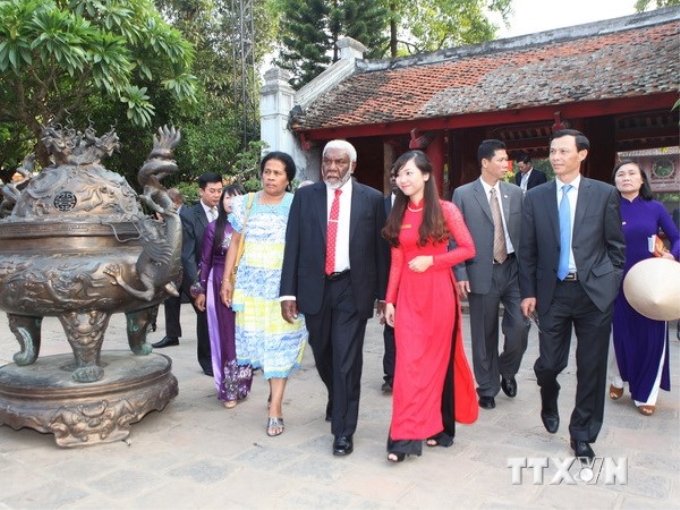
column 652, row 287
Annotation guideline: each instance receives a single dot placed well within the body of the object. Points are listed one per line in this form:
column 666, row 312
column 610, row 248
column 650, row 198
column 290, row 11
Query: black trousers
column 389, row 354
column 571, row 306
column 203, row 341
column 336, row 335
column 172, row 307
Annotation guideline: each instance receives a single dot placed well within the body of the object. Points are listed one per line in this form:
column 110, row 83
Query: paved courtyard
column 196, row 454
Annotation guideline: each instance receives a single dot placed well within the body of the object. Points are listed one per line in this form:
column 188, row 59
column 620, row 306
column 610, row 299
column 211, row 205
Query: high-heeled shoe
column 441, row 439
column 398, row 450
column 396, row 457
column 614, row 392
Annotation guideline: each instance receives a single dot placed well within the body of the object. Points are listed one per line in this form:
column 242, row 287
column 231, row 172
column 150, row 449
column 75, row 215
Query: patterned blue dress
column 263, row 339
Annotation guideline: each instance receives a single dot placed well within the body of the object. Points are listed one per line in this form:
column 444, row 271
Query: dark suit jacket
column 597, row 242
column 304, row 258
column 537, row 177
column 194, row 222
column 473, row 203
column 388, row 257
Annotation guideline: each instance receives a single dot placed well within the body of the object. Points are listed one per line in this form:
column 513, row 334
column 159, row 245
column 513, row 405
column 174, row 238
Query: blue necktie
column 565, row 233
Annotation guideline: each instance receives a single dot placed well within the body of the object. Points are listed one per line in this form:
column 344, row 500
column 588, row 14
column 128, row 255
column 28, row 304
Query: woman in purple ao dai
column 231, row 380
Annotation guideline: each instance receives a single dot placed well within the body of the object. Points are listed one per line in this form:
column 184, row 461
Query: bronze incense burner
column 76, row 244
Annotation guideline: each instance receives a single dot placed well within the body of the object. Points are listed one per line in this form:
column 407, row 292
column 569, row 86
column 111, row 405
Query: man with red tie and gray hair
column 334, row 270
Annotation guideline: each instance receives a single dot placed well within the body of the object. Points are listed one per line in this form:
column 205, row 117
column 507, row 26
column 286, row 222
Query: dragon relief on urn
column 75, row 243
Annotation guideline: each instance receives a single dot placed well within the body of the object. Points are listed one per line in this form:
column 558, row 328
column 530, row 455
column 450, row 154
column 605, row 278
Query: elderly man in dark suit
column 194, row 221
column 572, row 252
column 528, row 177
column 334, row 269
column 492, row 210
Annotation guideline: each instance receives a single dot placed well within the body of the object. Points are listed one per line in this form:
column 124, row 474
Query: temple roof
column 631, row 56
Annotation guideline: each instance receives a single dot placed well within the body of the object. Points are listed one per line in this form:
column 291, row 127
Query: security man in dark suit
column 389, row 354
column 172, row 306
column 194, row 221
column 528, row 177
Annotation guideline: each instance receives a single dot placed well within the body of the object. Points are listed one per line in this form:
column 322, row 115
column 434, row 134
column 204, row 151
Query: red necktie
column 332, row 233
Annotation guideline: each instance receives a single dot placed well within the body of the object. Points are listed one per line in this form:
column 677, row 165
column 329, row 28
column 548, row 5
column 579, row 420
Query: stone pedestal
column 44, row 397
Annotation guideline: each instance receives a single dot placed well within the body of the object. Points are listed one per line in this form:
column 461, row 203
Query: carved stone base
column 44, row 397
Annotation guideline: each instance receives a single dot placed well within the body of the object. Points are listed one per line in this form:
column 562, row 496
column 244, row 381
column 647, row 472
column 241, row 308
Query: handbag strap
column 241, row 243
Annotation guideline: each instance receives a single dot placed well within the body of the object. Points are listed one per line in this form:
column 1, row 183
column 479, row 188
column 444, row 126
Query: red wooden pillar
column 463, row 156
column 432, row 143
column 436, row 152
column 601, row 132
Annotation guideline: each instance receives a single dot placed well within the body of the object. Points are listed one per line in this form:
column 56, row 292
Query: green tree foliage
column 310, row 30
column 213, row 128
column 305, row 40
column 213, row 26
column 643, row 5
column 362, row 20
column 430, row 25
column 56, row 56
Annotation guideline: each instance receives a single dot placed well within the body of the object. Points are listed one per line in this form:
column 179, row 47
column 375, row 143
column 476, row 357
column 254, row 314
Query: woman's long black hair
column 232, row 190
column 433, row 227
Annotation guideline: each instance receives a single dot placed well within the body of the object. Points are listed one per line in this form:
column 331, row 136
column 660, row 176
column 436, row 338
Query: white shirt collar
column 207, row 210
column 574, row 184
column 487, row 188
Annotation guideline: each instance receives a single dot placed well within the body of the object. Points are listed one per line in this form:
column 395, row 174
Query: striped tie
column 500, row 252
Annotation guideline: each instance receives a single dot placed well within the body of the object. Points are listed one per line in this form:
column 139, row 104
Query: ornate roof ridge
column 602, row 27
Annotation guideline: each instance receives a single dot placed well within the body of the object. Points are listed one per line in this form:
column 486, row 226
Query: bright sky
column 531, row 16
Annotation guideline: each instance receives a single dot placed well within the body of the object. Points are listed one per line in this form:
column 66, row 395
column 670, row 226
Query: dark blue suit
column 598, row 246
column 336, row 311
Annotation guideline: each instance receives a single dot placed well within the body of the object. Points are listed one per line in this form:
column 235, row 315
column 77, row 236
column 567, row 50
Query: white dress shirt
column 342, row 241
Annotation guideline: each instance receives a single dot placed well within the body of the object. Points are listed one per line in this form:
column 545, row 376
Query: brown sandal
column 614, row 392
column 647, row 410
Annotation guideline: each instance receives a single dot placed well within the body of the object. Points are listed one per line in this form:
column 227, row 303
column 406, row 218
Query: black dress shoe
column 551, row 420
column 509, row 386
column 167, row 341
column 329, row 411
column 208, row 372
column 487, row 402
column 386, row 387
column 343, row 445
column 582, row 449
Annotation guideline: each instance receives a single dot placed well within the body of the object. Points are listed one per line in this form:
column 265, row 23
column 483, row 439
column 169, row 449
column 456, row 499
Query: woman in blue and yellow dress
column 263, row 339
